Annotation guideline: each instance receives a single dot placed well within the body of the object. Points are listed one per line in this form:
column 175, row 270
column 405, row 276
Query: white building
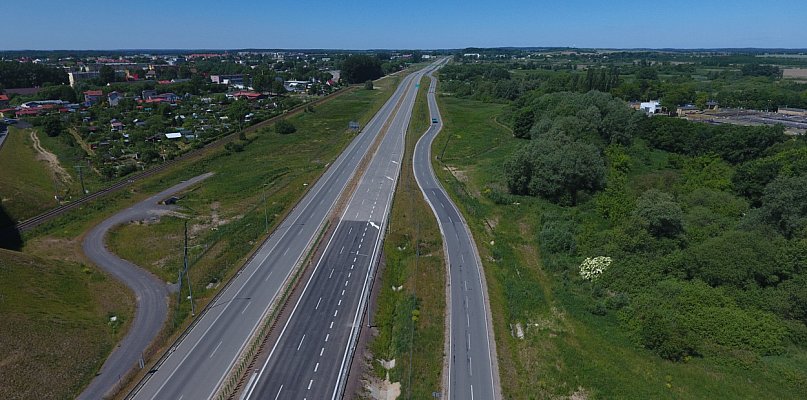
column 650, row 107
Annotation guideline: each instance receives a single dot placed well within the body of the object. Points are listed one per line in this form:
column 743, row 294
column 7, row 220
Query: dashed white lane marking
column 245, row 307
column 357, row 214
column 278, row 392
column 317, row 307
column 450, row 221
column 322, row 350
column 470, row 367
column 394, row 162
column 214, row 350
column 331, row 327
column 467, row 320
column 462, row 257
column 348, row 274
column 331, row 274
column 466, row 285
column 316, row 367
column 441, row 205
column 267, row 276
column 327, row 336
column 309, row 384
column 342, row 250
column 472, row 392
column 284, row 253
column 343, row 292
column 350, row 230
column 346, row 283
column 335, row 312
column 390, row 178
column 469, row 340
column 301, row 343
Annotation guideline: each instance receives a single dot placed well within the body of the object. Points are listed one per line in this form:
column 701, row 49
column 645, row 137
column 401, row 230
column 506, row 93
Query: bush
column 558, row 237
column 368, row 85
column 659, row 213
column 285, row 127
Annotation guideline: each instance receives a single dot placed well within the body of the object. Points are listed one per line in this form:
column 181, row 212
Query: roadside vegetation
column 410, row 316
column 667, row 265
column 57, row 325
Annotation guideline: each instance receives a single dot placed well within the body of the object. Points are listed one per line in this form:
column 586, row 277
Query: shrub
column 285, row 127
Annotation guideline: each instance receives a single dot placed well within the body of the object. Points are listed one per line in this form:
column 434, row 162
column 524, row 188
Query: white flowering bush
column 591, row 268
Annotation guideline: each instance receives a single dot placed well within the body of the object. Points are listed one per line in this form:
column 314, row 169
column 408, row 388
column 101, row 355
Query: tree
column 557, row 168
column 784, row 205
column 277, row 87
column 52, row 126
column 237, row 111
column 285, row 127
column 368, row 85
column 359, row 68
column 659, row 213
column 522, row 123
column 106, row 74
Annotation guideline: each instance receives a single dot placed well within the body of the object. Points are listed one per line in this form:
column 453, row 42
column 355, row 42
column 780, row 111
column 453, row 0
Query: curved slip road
column 472, row 367
column 150, row 293
column 311, row 357
column 197, row 365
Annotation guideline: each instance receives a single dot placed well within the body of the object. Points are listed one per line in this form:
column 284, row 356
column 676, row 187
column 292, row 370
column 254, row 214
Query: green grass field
column 411, row 321
column 567, row 350
column 55, row 331
column 26, row 185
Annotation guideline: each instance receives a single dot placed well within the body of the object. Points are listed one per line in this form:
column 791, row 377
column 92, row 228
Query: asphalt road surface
column 311, row 357
column 150, row 293
column 198, row 365
column 472, row 367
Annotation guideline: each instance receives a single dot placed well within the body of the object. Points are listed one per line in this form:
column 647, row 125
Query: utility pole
column 185, row 262
column 81, row 178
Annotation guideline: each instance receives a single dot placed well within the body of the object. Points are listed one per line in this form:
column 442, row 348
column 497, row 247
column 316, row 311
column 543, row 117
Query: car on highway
column 434, row 120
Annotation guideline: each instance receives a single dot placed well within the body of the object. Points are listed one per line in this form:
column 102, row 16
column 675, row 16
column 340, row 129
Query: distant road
column 312, row 354
column 198, row 364
column 150, row 293
column 472, row 367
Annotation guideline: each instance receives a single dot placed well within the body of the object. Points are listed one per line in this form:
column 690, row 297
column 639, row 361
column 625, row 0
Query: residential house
column 237, row 79
column 114, row 98
column 245, row 94
column 92, row 97
column 148, row 93
column 3, row 100
column 651, row 107
column 712, row 105
column 686, row 110
column 117, row 126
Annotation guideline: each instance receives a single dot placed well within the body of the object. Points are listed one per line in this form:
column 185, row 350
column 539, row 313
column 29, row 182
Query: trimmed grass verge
column 26, row 185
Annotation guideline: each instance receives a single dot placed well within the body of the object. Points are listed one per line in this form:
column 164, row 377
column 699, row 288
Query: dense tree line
column 17, row 75
column 360, row 68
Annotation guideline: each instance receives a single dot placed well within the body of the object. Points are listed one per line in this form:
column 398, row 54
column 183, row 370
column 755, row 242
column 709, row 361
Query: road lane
column 472, row 366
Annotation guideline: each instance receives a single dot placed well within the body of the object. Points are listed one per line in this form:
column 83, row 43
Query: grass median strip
column 411, row 304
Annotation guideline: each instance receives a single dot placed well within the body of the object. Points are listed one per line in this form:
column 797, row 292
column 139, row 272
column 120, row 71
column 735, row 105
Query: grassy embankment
column 566, row 349
column 411, row 320
column 56, row 329
column 26, row 184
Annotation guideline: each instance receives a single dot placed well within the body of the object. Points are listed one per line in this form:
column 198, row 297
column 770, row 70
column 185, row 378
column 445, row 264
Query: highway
column 197, row 365
column 150, row 293
column 311, row 357
column 472, row 367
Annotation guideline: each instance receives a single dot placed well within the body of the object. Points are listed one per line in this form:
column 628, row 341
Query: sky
column 402, row 24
